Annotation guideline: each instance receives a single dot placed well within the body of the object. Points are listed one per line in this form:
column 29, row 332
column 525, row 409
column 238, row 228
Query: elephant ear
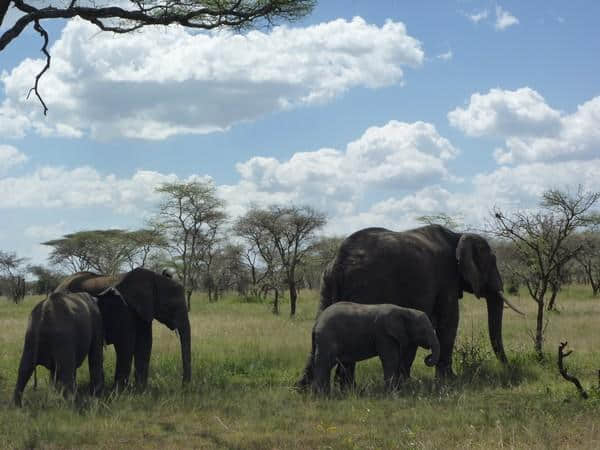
column 468, row 263
column 137, row 289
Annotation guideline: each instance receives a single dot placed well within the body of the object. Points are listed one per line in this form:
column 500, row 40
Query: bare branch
column 44, row 34
column 563, row 371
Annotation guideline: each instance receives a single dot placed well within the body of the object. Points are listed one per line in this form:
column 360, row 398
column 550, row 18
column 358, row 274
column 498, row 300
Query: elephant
column 425, row 268
column 130, row 302
column 63, row 329
column 347, row 332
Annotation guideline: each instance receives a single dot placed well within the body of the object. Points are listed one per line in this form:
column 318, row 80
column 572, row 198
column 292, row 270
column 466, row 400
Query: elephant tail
column 29, row 357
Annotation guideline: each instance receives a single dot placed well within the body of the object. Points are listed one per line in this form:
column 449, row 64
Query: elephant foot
column 444, row 373
column 302, row 384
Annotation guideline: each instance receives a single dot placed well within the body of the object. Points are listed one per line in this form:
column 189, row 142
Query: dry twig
column 563, row 371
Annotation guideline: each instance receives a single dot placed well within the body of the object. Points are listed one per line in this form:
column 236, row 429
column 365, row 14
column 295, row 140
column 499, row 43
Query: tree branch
column 37, row 27
column 563, row 371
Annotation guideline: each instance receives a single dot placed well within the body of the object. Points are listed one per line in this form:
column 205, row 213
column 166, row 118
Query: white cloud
column 504, row 19
column 165, row 81
column 523, row 185
column 57, row 187
column 501, row 112
column 478, row 16
column 445, row 56
column 532, row 130
column 10, row 157
column 397, row 155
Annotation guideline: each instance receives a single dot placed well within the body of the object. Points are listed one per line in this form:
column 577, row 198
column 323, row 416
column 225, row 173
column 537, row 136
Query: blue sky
column 374, row 112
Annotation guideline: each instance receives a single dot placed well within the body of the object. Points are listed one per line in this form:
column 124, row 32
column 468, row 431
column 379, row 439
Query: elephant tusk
column 509, row 304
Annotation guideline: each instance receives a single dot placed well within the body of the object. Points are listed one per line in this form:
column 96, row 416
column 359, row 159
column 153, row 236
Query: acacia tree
column 190, row 216
column 589, row 258
column 320, row 254
column 290, row 232
column 540, row 240
column 454, row 223
column 260, row 257
column 104, row 251
column 119, row 16
column 46, row 279
column 11, row 269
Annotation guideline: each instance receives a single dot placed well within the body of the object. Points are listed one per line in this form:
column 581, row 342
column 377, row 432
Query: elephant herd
column 384, row 294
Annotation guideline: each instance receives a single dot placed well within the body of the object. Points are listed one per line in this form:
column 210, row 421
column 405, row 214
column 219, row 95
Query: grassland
column 245, row 361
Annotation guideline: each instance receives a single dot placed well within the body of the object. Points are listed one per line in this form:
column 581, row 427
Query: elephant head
column 153, row 296
column 480, row 276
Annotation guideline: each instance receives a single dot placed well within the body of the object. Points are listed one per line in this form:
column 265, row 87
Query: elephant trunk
column 495, row 307
column 186, row 351
column 434, row 344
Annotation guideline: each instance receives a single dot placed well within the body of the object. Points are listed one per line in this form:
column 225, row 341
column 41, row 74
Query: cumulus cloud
column 532, row 130
column 57, row 187
column 161, row 82
column 10, row 157
column 504, row 19
column 396, row 156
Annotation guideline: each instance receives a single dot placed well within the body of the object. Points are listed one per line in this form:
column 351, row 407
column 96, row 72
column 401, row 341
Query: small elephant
column 63, row 329
column 346, row 332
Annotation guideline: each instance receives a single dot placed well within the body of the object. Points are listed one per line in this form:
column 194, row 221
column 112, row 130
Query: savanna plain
column 245, row 363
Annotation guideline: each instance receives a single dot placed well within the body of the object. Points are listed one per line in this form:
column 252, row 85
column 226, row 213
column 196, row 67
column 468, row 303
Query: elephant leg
column 26, row 368
column 321, row 371
column 387, row 349
column 344, row 375
column 307, row 374
column 446, row 331
column 95, row 363
column 66, row 372
column 407, row 358
column 124, row 351
column 143, row 349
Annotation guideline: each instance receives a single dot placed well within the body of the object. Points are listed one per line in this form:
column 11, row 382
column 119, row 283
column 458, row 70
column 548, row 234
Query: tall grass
column 245, row 361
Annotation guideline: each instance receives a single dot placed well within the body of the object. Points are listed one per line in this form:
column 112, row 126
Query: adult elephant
column 426, row 268
column 129, row 303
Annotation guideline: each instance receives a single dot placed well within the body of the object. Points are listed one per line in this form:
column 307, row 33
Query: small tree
column 589, row 258
column 104, row 251
column 540, row 243
column 285, row 234
column 11, row 268
column 453, row 223
column 46, row 279
column 319, row 255
column 190, row 216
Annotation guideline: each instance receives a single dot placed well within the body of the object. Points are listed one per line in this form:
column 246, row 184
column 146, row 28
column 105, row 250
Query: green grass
column 245, row 361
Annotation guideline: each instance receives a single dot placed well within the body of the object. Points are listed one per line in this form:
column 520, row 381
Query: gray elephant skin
column 347, row 332
column 129, row 303
column 63, row 329
column 426, row 268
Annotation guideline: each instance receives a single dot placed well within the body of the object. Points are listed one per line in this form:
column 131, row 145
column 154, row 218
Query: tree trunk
column 189, row 297
column 276, row 302
column 293, row 298
column 551, row 306
column 539, row 329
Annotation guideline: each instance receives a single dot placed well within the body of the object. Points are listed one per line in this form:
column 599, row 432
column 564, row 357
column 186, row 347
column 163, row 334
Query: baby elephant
column 63, row 329
column 347, row 332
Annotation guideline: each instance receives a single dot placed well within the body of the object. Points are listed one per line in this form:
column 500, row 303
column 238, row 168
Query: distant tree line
column 267, row 253
column 272, row 252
